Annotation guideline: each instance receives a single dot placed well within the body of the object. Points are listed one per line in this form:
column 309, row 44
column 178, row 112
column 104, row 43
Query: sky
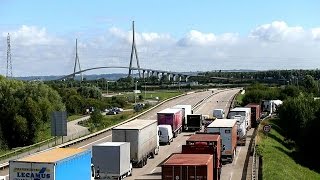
column 179, row 36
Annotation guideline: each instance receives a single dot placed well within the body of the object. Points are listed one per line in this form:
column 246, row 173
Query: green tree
column 96, row 117
column 310, row 84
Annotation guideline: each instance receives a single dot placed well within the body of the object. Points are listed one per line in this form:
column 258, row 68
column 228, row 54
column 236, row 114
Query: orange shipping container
column 206, row 139
column 188, row 166
column 255, row 113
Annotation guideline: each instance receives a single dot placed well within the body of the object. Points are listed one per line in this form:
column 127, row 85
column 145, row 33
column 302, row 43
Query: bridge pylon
column 77, row 62
column 133, row 51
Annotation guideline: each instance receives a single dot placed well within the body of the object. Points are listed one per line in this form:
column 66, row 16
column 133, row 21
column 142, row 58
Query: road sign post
column 267, row 128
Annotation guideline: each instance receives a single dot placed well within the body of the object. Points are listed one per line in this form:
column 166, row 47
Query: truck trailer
column 55, row 164
column 143, row 138
column 172, row 117
column 205, row 144
column 112, row 159
column 228, row 132
column 186, row 110
column 245, row 112
column 241, row 130
column 194, row 122
column 188, row 166
column 255, row 113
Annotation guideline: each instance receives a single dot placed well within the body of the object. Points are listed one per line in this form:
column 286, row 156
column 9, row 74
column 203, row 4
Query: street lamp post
column 107, row 87
column 145, row 90
column 135, row 96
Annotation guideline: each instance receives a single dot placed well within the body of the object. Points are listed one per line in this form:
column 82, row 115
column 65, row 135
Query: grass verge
column 74, row 117
column 277, row 156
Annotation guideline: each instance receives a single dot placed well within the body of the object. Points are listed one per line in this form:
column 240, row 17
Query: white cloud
column 315, row 33
column 37, row 52
column 32, row 35
column 197, row 38
column 277, row 31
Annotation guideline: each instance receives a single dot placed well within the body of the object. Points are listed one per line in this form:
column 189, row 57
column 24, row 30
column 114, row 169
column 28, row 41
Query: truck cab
column 218, row 113
column 165, row 134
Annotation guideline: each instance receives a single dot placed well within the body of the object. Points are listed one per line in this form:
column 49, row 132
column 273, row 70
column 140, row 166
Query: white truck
column 111, row 160
column 242, row 111
column 4, row 177
column 241, row 131
column 187, row 110
column 218, row 113
column 143, row 138
column 227, row 128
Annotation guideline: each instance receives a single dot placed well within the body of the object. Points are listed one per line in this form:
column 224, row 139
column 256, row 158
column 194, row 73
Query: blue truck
column 54, row 164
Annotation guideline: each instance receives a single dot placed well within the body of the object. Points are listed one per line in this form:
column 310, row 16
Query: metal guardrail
column 254, row 172
column 25, row 148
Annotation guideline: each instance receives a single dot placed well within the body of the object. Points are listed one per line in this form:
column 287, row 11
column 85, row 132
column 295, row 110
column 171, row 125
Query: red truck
column 188, row 166
column 255, row 113
column 206, row 144
column 172, row 117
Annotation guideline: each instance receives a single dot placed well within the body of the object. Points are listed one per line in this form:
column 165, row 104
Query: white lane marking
column 179, row 145
column 238, row 154
column 94, row 142
column 153, row 170
column 231, row 176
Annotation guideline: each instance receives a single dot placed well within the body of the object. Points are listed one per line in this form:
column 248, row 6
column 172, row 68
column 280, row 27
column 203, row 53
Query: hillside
column 278, row 156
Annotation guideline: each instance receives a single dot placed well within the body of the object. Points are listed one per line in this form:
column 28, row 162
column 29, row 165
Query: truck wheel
column 152, row 155
column 140, row 165
column 156, row 151
column 145, row 161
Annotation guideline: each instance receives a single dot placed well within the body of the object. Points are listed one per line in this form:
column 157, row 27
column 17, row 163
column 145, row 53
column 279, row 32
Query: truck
column 228, row 132
column 4, row 177
column 57, row 164
column 165, row 134
column 172, row 117
column 255, row 113
column 188, row 166
column 204, row 143
column 243, row 111
column 206, row 120
column 241, row 130
column 111, row 160
column 186, row 110
column 218, row 113
column 194, row 122
column 143, row 138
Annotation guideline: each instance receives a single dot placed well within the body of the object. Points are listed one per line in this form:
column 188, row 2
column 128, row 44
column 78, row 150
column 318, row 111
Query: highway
column 153, row 169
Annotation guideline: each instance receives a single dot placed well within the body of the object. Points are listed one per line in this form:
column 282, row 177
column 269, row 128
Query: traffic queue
column 211, row 144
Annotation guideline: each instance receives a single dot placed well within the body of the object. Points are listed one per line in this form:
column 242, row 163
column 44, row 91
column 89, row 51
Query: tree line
column 26, row 107
column 299, row 116
column 25, row 110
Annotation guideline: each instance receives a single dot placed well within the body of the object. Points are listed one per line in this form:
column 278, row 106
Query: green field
column 151, row 95
column 74, row 117
column 277, row 161
column 239, row 99
column 109, row 120
column 162, row 95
